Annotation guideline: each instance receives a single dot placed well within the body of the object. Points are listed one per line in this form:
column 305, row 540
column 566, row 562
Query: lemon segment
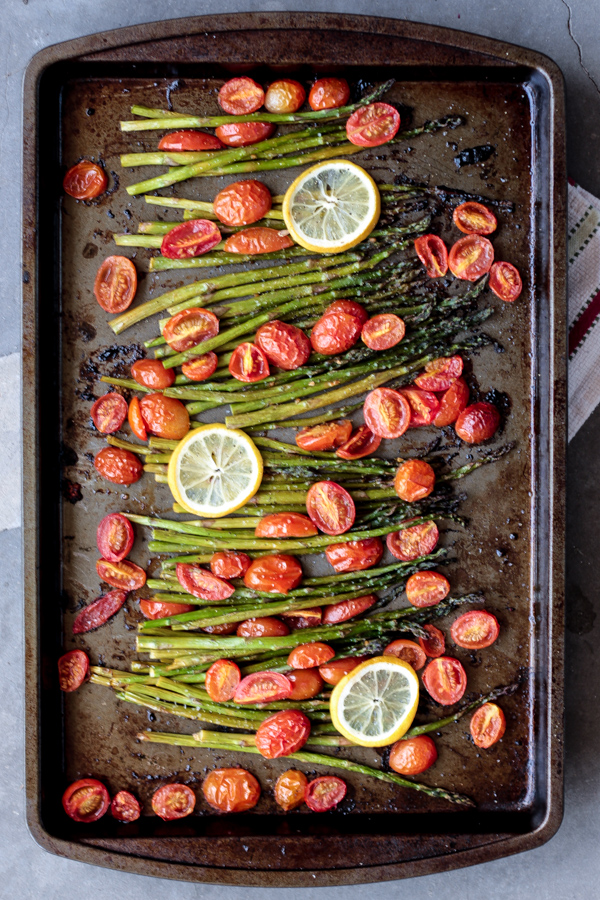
column 375, row 703
column 214, row 470
column 331, row 206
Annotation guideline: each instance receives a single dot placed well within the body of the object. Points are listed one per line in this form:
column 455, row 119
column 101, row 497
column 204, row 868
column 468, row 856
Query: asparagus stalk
column 202, row 288
column 162, row 264
column 218, row 741
column 229, row 162
column 157, row 115
column 223, row 158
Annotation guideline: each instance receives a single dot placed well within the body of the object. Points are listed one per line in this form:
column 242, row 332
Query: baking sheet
column 513, row 102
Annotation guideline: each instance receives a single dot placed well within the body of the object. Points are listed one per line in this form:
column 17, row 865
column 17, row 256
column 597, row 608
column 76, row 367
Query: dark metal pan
column 75, row 93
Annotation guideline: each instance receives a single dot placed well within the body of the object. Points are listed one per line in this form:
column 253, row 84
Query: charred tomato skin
column 412, row 756
column 231, row 790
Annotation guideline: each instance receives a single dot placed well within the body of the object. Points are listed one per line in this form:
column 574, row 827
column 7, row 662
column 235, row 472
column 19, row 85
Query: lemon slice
column 375, row 703
column 214, row 470
column 331, row 206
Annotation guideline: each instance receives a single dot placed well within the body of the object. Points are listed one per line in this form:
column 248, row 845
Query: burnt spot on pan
column 114, row 361
column 473, row 155
column 87, row 330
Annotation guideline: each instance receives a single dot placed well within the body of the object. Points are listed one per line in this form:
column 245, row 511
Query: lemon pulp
column 214, row 470
column 375, row 703
column 331, row 206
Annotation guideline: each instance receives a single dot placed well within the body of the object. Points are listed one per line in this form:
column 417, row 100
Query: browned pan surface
column 512, row 100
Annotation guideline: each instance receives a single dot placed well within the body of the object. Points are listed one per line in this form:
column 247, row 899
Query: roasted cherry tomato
column 229, row 564
column 414, row 480
column 85, row 181
column 243, row 202
column 282, row 733
column 423, row 406
column 354, row 556
column 413, row 755
column 243, row 134
column 98, row 612
column 471, row 257
column 263, row 687
column 435, row 642
column 241, row 96
column 411, row 543
column 189, row 141
column 86, row 800
column 249, row 363
column 124, row 575
column 487, row 726
column 362, row 443
column 259, row 239
column 151, row 373
column 262, row 626
column 387, row 412
column 284, row 96
column 440, row 374
column 329, row 93
column 231, row 790
column 114, row 537
column 276, row 574
column 452, row 403
column 475, row 630
column 118, row 466
column 335, row 332
column 222, row 680
column 109, row 412
column 303, row 618
column 432, row 252
column 281, row 525
column 166, row 417
column 73, row 670
column 284, row 345
column 192, row 238
column 173, row 801
column 505, row 281
column 115, row 284
column 478, row 422
column 307, row 656
column 158, row 609
column 474, row 218
column 408, row 651
column 373, row 125
column 201, row 368
column 383, row 331
column 445, row 680
column 290, row 788
column 333, row 672
column 347, row 609
column 186, row 329
column 350, row 307
column 125, row 807
column 324, row 793
column 224, row 628
column 135, row 419
column 203, row 584
column 327, row 436
column 427, row 588
column 330, row 507
column 306, row 684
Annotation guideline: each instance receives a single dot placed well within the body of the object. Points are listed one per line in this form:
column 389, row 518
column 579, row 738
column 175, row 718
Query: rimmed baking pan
column 512, row 99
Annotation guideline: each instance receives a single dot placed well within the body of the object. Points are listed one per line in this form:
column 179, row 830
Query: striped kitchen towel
column 584, row 305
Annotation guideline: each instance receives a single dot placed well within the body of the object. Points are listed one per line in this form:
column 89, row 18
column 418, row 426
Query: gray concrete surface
column 569, row 866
